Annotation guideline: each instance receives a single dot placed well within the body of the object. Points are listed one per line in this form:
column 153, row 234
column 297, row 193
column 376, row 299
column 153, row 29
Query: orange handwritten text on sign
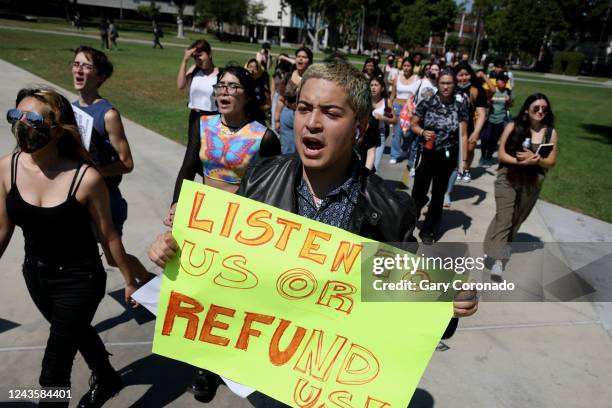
column 272, row 300
column 263, row 228
column 347, row 362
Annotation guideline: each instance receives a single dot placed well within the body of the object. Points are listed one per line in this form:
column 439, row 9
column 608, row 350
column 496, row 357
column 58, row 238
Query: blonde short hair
column 348, row 78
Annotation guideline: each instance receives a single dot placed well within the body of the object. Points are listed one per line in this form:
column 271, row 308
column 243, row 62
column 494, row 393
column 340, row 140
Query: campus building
column 275, row 24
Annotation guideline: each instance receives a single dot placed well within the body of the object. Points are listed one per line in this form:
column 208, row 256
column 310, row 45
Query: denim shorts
column 119, row 209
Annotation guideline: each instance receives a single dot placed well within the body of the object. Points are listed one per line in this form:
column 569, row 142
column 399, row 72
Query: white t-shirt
column 403, row 91
column 390, row 74
column 380, row 109
column 450, row 56
column 201, row 92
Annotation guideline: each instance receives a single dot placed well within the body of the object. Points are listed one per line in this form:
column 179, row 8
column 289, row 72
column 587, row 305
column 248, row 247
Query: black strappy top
column 59, row 234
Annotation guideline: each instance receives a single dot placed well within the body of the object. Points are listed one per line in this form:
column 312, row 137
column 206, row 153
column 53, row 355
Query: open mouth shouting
column 79, row 80
column 224, row 103
column 313, row 147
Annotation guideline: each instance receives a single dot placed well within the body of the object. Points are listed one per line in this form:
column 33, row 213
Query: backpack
column 408, row 109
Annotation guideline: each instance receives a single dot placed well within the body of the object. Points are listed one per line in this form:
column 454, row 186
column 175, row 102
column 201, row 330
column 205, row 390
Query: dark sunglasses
column 34, row 119
column 543, row 109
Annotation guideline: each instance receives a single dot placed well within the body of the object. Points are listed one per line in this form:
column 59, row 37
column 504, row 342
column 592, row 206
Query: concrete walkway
column 508, row 355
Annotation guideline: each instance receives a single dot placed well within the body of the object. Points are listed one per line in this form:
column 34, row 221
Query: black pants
column 434, row 169
column 489, row 138
column 68, row 296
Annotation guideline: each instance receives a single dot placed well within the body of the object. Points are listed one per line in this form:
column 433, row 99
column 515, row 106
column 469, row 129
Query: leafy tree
column 313, row 14
column 422, row 19
column 441, row 15
column 231, row 12
column 525, row 25
column 415, row 27
column 254, row 12
column 148, row 12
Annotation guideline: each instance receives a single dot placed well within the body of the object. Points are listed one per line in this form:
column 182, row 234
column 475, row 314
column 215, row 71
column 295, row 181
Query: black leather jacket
column 380, row 214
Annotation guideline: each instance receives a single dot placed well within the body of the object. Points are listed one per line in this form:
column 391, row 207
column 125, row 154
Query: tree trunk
column 477, row 46
column 179, row 22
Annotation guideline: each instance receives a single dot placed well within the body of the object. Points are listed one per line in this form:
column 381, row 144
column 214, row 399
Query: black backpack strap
column 78, row 175
column 416, row 94
column 548, row 134
column 14, row 168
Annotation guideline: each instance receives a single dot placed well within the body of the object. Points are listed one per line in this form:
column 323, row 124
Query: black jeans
column 68, row 295
column 489, row 138
column 434, row 169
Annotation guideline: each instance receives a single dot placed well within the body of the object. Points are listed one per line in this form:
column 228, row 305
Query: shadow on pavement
column 478, row 172
column 529, row 242
column 452, row 219
column 6, row 325
column 464, row 192
column 140, row 314
column 168, row 378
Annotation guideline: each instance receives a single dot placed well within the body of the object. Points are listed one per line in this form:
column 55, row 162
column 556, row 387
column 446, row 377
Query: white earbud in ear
column 357, row 134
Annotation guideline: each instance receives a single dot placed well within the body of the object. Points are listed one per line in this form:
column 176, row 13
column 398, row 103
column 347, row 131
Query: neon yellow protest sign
column 272, row 300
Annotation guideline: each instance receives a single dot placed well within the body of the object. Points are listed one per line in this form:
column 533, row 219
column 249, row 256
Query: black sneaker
column 100, row 391
column 204, row 386
column 427, row 237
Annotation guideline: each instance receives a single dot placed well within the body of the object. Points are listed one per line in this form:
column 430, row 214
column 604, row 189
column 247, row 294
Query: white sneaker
column 497, row 270
column 459, row 176
column 467, row 177
column 392, row 161
column 412, row 172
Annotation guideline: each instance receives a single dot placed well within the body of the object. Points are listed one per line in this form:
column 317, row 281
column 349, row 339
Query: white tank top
column 201, row 93
column 404, row 91
column 381, row 109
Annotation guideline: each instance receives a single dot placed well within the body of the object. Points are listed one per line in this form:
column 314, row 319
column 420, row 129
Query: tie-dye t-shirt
column 226, row 154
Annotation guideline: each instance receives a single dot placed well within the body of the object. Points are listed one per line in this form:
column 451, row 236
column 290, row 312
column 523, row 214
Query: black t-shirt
column 480, row 102
column 370, row 139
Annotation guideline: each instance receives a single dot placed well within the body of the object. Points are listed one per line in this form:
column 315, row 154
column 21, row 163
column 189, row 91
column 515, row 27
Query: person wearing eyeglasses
column 49, row 189
column 221, row 146
column 520, row 175
column 200, row 79
column 220, row 150
column 440, row 121
column 105, row 139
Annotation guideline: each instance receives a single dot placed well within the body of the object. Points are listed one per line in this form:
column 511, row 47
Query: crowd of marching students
column 318, row 157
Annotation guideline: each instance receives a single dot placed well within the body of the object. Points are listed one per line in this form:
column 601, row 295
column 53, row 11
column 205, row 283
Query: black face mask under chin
column 30, row 139
column 464, row 86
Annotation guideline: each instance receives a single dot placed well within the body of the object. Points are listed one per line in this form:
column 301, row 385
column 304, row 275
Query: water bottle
column 527, row 143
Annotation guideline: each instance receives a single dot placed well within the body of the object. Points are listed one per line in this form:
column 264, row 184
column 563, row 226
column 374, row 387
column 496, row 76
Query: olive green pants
column 513, row 204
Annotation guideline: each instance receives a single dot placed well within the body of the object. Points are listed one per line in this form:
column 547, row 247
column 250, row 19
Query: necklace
column 233, row 130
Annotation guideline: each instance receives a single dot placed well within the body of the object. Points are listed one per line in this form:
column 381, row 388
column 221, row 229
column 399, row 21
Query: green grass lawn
column 143, row 89
column 581, row 180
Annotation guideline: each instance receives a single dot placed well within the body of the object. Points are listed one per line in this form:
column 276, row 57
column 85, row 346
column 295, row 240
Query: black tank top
column 57, row 235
